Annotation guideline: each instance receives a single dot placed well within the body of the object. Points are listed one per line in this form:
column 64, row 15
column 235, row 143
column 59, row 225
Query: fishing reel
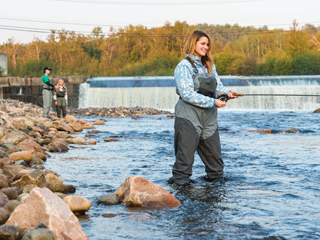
column 223, row 98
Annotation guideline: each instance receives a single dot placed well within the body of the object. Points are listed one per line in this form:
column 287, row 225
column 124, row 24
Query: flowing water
column 271, row 188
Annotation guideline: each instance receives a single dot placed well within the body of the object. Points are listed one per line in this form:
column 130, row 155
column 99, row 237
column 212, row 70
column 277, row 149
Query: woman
column 196, row 126
column 61, row 98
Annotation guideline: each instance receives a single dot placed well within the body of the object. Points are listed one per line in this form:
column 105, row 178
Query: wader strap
column 192, row 64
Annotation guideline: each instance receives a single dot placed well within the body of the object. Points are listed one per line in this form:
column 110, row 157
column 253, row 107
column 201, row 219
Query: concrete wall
column 4, row 63
column 28, row 89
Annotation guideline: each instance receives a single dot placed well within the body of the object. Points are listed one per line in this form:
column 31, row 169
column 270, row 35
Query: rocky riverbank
column 34, row 201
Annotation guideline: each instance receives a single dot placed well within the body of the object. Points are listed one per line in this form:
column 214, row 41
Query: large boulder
column 77, row 203
column 35, row 178
column 62, row 126
column 23, row 155
column 31, row 146
column 43, row 206
column 137, row 191
column 13, row 136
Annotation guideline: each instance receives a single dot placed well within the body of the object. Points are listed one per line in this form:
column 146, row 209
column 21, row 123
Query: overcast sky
column 33, row 17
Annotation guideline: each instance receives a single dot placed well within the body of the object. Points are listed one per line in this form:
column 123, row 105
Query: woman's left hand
column 231, row 94
column 66, row 102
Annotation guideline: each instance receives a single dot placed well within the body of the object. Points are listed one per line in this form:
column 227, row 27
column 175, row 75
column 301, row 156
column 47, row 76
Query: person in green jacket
column 47, row 92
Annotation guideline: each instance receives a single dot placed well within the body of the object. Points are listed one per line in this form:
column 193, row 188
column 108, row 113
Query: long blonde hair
column 189, row 48
column 63, row 83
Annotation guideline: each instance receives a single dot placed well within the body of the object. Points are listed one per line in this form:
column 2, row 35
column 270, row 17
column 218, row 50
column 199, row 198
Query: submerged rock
column 137, row 191
column 109, row 199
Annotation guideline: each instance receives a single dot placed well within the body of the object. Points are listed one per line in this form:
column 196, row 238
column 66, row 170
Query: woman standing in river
column 196, row 127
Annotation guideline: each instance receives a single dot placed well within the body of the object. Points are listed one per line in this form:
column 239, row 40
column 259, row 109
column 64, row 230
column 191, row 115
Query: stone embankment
column 34, row 201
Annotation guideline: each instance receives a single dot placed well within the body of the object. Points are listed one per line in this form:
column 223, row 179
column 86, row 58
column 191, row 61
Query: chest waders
column 196, row 129
column 47, row 100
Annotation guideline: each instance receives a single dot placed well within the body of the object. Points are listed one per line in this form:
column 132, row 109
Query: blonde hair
column 189, row 48
column 60, row 81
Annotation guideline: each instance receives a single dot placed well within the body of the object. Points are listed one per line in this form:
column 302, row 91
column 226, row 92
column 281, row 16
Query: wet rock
column 109, row 199
column 4, row 215
column 137, row 191
column 11, row 192
column 11, row 206
column 62, row 126
column 96, row 131
column 317, row 110
column 31, row 146
column 3, row 199
column 53, row 148
column 10, row 232
column 98, row 122
column 20, row 162
column 43, row 206
column 45, row 172
column 61, row 195
column 70, row 117
column 39, row 234
column 38, row 167
column 13, row 136
column 76, row 126
column 77, row 203
column 51, row 179
column 62, row 145
column 35, row 161
column 35, row 178
column 22, row 198
column 88, row 125
column 23, row 155
column 58, row 187
column 140, row 216
column 111, row 140
column 39, row 155
column 92, row 142
column 71, row 188
column 79, row 140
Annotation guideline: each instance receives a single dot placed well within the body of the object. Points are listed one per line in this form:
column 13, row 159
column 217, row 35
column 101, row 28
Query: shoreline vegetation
column 141, row 51
column 34, row 200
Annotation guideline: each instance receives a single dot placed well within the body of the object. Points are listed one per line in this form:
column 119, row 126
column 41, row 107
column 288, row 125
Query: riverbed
column 271, row 188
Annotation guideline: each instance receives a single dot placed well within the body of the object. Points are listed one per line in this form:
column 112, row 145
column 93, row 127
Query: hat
column 47, row 68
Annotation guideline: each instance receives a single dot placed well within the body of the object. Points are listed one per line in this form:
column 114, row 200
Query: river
column 271, row 188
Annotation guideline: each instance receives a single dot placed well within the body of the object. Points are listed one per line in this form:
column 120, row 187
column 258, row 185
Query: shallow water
column 271, row 188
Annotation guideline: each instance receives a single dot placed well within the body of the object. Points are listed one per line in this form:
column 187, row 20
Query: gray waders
column 47, row 102
column 61, row 107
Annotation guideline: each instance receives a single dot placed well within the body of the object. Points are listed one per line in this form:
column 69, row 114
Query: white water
column 166, row 97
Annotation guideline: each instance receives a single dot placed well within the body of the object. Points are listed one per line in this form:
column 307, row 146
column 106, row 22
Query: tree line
column 141, row 51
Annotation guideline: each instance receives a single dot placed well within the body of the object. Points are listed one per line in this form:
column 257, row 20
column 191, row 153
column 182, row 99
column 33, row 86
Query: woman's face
column 202, row 46
column 60, row 83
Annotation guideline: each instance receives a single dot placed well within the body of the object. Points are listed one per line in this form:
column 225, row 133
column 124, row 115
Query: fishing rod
column 225, row 98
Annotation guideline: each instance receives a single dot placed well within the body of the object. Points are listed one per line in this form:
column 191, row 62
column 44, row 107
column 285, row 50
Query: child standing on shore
column 61, row 98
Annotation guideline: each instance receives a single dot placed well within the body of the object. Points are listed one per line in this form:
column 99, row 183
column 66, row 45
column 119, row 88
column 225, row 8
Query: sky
column 25, row 20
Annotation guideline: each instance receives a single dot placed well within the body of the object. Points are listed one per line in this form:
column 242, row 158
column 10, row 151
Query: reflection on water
column 271, row 188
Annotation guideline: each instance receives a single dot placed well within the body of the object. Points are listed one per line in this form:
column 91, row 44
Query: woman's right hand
column 218, row 103
column 56, row 103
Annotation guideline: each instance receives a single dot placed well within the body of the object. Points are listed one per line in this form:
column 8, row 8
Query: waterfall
column 159, row 92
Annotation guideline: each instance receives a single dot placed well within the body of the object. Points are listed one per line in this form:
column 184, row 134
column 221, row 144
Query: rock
column 88, row 125
column 39, row 167
column 7, row 161
column 99, row 122
column 28, row 188
column 77, row 203
column 79, row 140
column 3, row 155
column 70, row 117
column 109, row 199
column 45, row 142
column 53, row 148
column 292, row 130
column 62, row 145
column 92, row 142
column 71, row 188
column 137, row 191
column 51, row 178
column 61, row 134
column 39, row 234
column 76, row 126
column 11, row 206
column 23, row 155
column 61, row 195
column 31, row 146
column 50, row 172
column 22, row 197
column 110, row 140
column 11, row 192
column 58, row 187
column 4, row 215
column 3, row 181
column 38, row 129
column 35, row 161
column 35, row 178
column 10, row 232
column 20, row 162
column 29, row 229
column 43, row 206
column 96, row 131
column 39, row 155
column 13, row 136
column 20, row 125
column 317, row 110
column 62, row 126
